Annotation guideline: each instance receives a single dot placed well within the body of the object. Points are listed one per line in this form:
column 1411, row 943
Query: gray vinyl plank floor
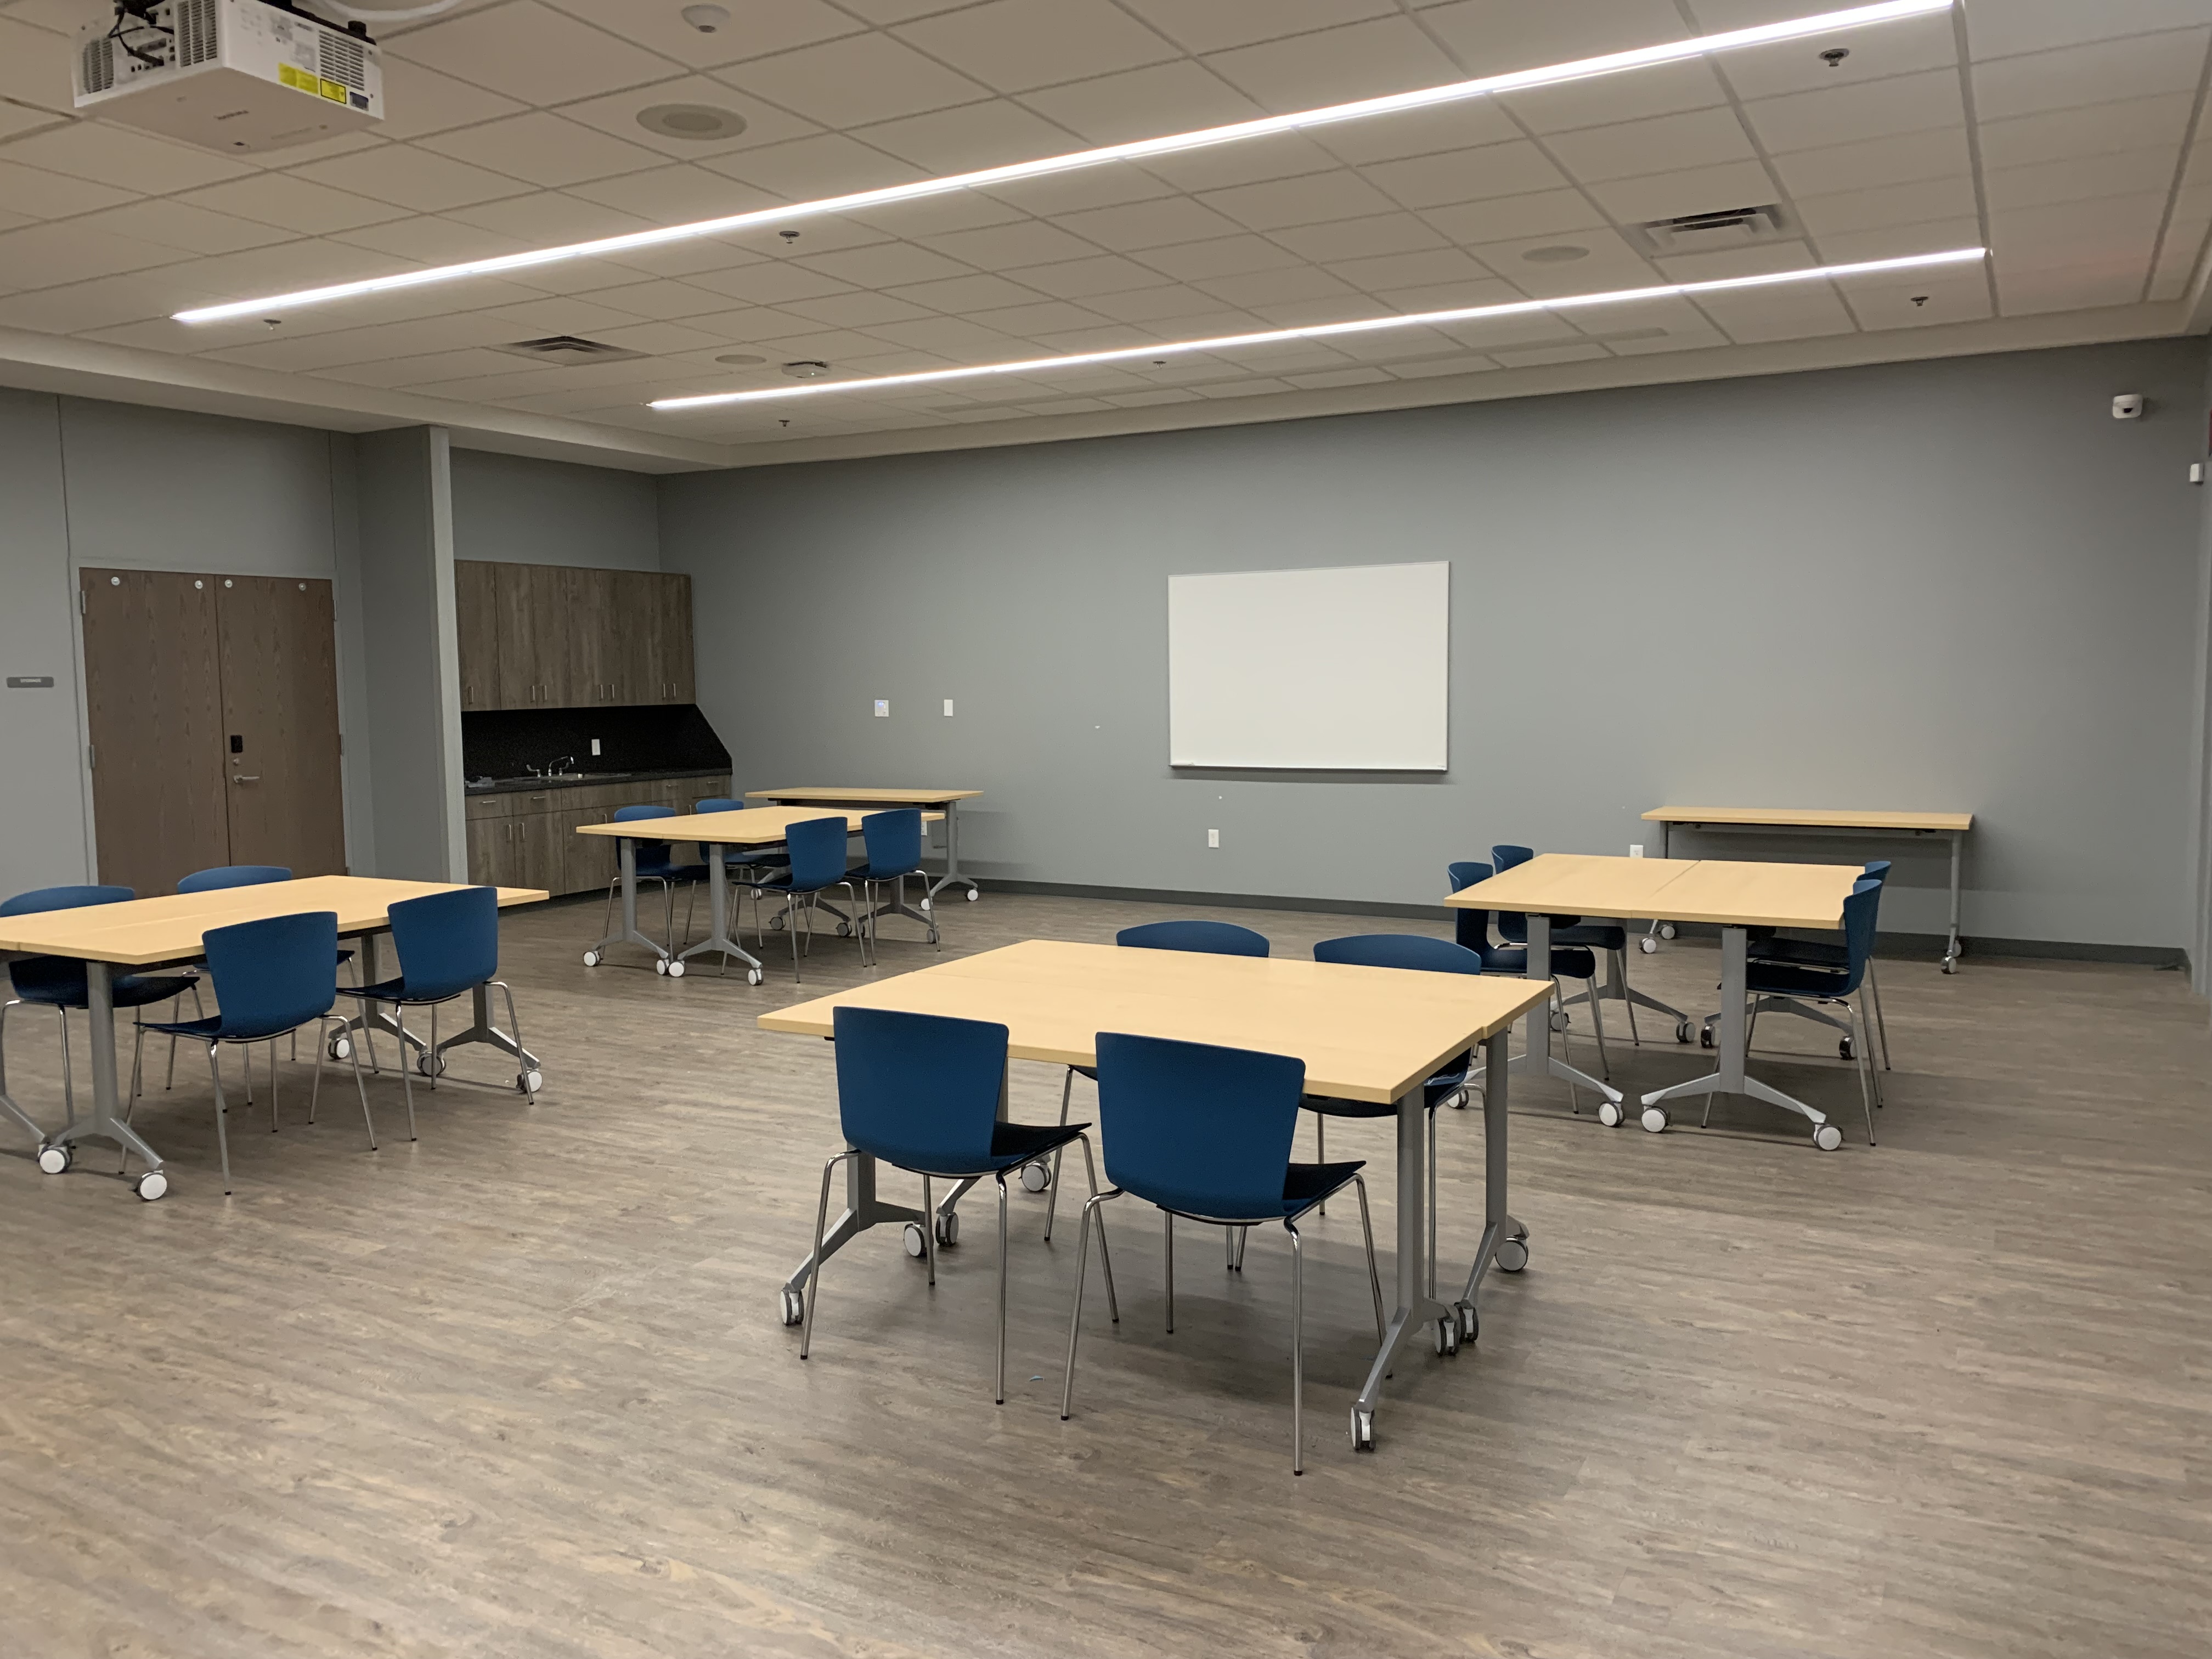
column 518, row 1391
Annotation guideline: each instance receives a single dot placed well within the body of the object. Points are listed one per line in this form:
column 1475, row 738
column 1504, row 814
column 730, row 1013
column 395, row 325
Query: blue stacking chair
column 447, row 944
column 893, row 841
column 271, row 976
column 921, row 1093
column 1766, row 944
column 246, row 875
column 818, row 864
column 1205, row 1132
column 1791, row 987
column 764, row 859
column 1608, row 938
column 656, row 861
column 1215, row 938
column 58, row 982
column 1568, row 961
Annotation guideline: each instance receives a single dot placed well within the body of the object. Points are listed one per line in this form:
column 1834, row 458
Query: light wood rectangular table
column 946, row 801
column 1831, row 821
column 1366, row 1034
column 1732, row 895
column 152, row 933
column 754, row 826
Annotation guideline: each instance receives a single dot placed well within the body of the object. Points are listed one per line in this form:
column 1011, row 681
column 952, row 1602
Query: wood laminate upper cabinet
column 632, row 660
column 525, row 626
column 476, row 618
column 588, row 630
column 673, row 676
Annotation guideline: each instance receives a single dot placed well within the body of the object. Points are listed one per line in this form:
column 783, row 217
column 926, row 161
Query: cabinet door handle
column 255, row 778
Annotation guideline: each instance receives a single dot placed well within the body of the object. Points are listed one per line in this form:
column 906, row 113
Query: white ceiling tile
column 2076, row 232
column 411, row 178
column 1460, row 125
column 755, row 27
column 1109, row 185
column 616, row 113
column 14, row 221
column 2068, row 287
column 807, row 169
column 1797, row 312
column 1536, row 356
column 1900, row 241
column 1900, row 160
column 1608, row 100
column 1694, row 190
column 172, row 224
column 1212, row 25
column 884, row 265
column 2179, row 257
column 1877, row 50
column 659, row 338
column 1077, row 279
column 418, row 100
column 2060, row 135
column 1663, row 143
column 1141, row 225
column 103, row 302
column 2083, row 178
column 1608, row 263
column 1492, row 37
column 963, row 295
column 1045, row 316
column 1144, row 103
column 937, row 216
column 755, row 323
column 1275, row 288
column 543, row 149
column 662, row 299
column 1868, row 109
column 1227, row 256
column 1755, row 259
column 1314, row 199
column 954, row 337
column 1892, row 204
column 546, row 217
column 529, row 52
column 1336, row 377
column 970, row 137
column 16, row 119
column 422, row 369
column 1420, row 297
column 1467, row 175
column 1030, row 242
column 36, row 193
column 1014, row 46
column 47, row 255
column 675, row 195
column 1224, row 167
column 1411, row 270
column 1337, row 66
column 1149, row 305
column 2141, row 67
column 1354, row 239
column 1999, row 29
column 1541, row 213
column 862, row 77
column 1920, row 301
column 104, row 154
column 35, row 66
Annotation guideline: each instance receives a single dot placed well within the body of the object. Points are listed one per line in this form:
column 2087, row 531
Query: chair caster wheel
column 1446, row 1331
column 1036, row 1177
column 793, row 1307
column 1666, row 929
column 1705, row 1036
column 1655, row 1120
column 844, row 930
column 430, row 1065
column 1827, row 1137
column 1844, row 1048
column 591, row 958
column 1558, row 1020
column 661, row 965
column 973, row 896
column 339, row 1048
column 754, row 976
column 1681, row 1030
column 151, row 1185
column 1950, row 964
column 1363, row 1431
column 1511, row 1255
column 1470, row 1323
column 948, row 1229
column 676, row 970
column 776, row 924
column 1608, row 1113
column 925, row 903
column 56, row 1160
column 1648, row 945
column 529, row 1082
column 916, row 1245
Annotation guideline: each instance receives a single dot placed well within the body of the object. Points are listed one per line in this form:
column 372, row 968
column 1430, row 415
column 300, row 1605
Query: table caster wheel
column 339, row 1048
column 776, row 924
column 529, row 1082
column 1827, row 1137
column 676, row 970
column 916, row 1245
column 151, row 1185
column 430, row 1065
column 1512, row 1255
column 793, row 1307
column 1649, row 945
column 56, row 1160
column 948, row 1229
column 661, row 965
column 754, row 976
column 1558, row 1020
column 924, row 904
column 844, row 930
column 1448, row 1336
column 1655, row 1120
column 1666, row 929
column 591, row 958
column 1681, row 1030
column 1608, row 1113
column 1363, row 1431
column 1705, row 1036
column 973, row 896
column 1036, row 1177
column 1470, row 1323
column 1844, row 1048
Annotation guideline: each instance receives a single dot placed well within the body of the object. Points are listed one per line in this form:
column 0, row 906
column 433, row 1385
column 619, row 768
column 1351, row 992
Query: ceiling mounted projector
column 229, row 75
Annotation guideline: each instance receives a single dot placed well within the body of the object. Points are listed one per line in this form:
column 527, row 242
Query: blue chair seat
column 1803, row 953
column 1436, row 1091
column 206, row 1029
column 1306, row 1184
column 668, row 870
column 1592, row 935
column 1567, row 962
column 58, row 982
column 1782, row 980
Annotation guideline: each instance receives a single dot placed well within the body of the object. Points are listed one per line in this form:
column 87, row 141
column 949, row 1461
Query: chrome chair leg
column 1297, row 1349
column 1090, row 1209
column 1169, row 1215
column 814, row 1265
column 222, row 1113
column 1881, row 1024
column 1105, row 1261
column 406, row 1071
column 1002, row 1284
column 929, row 1228
column 1321, row 1147
column 1375, row 1274
column 1052, row 1187
column 1620, row 978
column 1597, row 1024
column 1869, row 1082
column 1432, row 1207
column 68, row 1076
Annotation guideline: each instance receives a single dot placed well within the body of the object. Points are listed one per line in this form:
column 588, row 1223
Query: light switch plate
column 948, row 708
column 1636, row 849
column 883, row 708
column 1214, row 838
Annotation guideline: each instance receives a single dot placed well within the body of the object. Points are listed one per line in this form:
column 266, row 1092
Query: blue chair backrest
column 651, row 855
column 1417, row 951
column 718, row 804
column 817, row 851
column 448, row 942
column 274, row 973
column 1196, row 1128
column 919, row 1091
column 1512, row 925
column 1876, row 869
column 1470, row 927
column 893, row 840
column 1217, row 938
column 1859, row 911
column 56, row 976
column 233, row 875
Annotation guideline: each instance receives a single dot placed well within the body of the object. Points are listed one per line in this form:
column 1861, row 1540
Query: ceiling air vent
column 568, row 349
column 1712, row 233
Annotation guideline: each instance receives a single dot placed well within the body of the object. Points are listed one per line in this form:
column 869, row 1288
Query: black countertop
column 593, row 780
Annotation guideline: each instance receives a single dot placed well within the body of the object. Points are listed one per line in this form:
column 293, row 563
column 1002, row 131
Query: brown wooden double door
column 214, row 718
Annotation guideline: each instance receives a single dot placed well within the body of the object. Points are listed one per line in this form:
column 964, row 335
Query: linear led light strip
column 1520, row 81
column 1325, row 330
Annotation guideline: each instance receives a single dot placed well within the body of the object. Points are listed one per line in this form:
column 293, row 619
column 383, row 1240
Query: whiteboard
column 1339, row 670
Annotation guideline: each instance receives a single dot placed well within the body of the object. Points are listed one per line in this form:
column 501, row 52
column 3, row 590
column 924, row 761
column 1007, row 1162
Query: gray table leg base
column 657, row 949
column 78, row 1129
column 727, row 947
column 1495, row 1234
column 943, row 882
column 1751, row 1088
column 30, row 1124
column 481, row 1029
column 1406, row 1323
column 1554, row 1066
column 842, row 1231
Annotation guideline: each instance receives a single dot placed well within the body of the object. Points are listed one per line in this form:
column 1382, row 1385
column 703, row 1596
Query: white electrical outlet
column 948, row 708
column 1636, row 849
column 883, row 708
column 1214, row 838
column 595, row 746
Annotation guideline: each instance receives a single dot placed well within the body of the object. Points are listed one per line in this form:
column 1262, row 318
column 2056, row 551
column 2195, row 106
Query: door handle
column 256, row 778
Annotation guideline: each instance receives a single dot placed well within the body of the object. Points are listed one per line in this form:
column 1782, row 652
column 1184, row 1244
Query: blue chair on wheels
column 1215, row 938
column 447, row 944
column 818, row 864
column 58, row 982
column 921, row 1093
column 1568, row 961
column 1766, row 944
column 656, row 861
column 1204, row 1132
column 271, row 976
column 893, row 841
column 245, row 875
column 1789, row 987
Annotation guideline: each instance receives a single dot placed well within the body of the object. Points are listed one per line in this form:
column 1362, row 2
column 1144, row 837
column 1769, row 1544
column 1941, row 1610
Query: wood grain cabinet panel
column 559, row 636
column 476, row 617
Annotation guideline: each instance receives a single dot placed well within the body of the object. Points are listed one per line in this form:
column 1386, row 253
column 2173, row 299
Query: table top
column 1366, row 1034
column 1730, row 892
column 141, row 931
column 1811, row 817
column 865, row 797
column 753, row 827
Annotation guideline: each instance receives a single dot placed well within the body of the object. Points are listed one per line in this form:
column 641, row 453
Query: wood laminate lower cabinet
column 559, row 636
column 528, row 838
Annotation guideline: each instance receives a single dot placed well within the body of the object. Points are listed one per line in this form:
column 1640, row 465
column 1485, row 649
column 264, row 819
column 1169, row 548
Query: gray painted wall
column 519, row 511
column 1940, row 585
